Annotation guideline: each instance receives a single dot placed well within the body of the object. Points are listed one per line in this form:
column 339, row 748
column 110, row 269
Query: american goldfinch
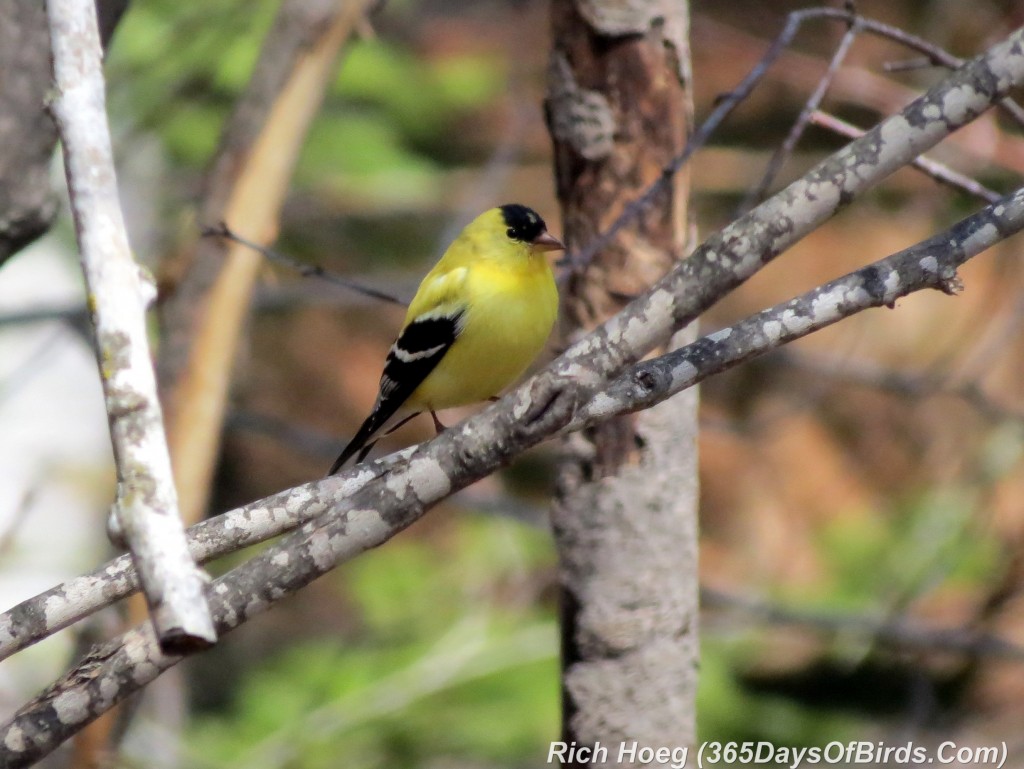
column 478, row 319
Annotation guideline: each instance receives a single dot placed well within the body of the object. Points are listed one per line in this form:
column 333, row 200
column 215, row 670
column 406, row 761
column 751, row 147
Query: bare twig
column 785, row 150
column 929, row 264
column 894, row 632
column 901, row 383
column 646, row 383
column 18, row 516
column 146, row 508
column 247, row 183
column 708, row 274
column 305, row 270
column 940, row 172
column 724, row 107
column 728, row 102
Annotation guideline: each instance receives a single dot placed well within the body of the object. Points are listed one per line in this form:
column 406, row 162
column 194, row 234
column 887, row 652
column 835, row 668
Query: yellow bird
column 478, row 320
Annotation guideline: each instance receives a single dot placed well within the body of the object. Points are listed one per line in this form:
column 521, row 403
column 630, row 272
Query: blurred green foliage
column 727, row 712
column 383, row 136
column 456, row 656
column 929, row 542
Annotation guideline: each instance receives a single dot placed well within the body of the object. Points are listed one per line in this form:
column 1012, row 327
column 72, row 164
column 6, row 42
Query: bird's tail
column 365, row 439
column 361, row 441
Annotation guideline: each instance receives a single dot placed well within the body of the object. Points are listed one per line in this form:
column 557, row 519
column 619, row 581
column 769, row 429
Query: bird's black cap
column 523, row 223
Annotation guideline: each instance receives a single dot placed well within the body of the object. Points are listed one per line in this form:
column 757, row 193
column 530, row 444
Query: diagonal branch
column 205, row 317
column 931, row 263
column 724, row 260
column 384, row 504
column 897, row 633
column 940, row 172
column 783, row 152
column 640, row 387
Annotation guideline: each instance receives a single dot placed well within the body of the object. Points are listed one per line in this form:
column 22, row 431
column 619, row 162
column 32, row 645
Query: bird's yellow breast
column 505, row 328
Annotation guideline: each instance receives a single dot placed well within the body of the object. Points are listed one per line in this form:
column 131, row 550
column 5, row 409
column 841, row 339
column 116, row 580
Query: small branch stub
column 146, row 508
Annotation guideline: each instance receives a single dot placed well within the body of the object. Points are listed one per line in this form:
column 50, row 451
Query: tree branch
column 783, row 152
column 929, row 264
column 940, row 172
column 146, row 507
column 623, row 336
column 642, row 386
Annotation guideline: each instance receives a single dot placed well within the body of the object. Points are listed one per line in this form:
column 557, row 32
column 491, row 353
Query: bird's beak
column 547, row 242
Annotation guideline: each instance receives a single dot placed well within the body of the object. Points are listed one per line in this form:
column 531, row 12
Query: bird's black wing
column 412, row 357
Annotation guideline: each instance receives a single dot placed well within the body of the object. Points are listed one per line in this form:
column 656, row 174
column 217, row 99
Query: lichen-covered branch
column 146, row 507
column 925, row 265
column 363, row 509
column 64, row 604
column 929, row 264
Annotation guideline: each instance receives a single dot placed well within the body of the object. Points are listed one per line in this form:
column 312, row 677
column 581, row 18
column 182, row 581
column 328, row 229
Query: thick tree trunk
column 625, row 514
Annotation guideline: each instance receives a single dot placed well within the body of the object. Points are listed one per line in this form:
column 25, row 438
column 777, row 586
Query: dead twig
column 222, row 230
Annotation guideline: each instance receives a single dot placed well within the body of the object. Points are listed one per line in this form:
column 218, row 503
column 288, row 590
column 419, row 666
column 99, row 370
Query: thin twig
column 645, row 384
column 728, row 102
column 785, row 150
column 940, row 172
column 222, row 230
column 894, row 631
column 721, row 263
column 147, row 507
column 18, row 516
column 931, row 263
column 901, row 383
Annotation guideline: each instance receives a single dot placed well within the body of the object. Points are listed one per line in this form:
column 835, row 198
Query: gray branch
column 365, row 507
column 931, row 263
column 146, row 508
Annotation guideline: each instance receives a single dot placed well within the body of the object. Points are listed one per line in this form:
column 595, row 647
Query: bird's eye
column 511, row 233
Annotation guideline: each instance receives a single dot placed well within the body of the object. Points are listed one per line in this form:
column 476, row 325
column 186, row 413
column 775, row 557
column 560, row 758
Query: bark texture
column 27, row 133
column 625, row 514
